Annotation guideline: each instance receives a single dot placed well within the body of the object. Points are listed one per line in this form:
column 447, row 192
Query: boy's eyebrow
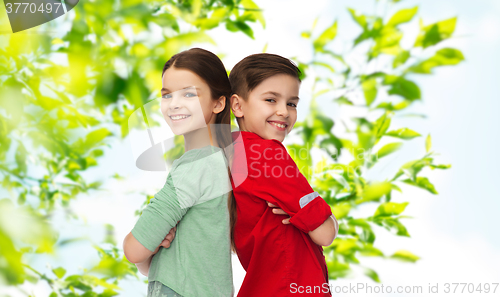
column 279, row 95
column 190, row 87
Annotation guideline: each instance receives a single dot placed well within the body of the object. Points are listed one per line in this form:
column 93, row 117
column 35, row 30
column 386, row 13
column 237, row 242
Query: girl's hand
column 277, row 210
column 167, row 240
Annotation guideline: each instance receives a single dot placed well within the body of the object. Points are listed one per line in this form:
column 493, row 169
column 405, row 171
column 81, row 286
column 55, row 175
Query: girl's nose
column 176, row 101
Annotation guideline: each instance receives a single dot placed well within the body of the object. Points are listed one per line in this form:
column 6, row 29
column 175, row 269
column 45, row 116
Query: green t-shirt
column 198, row 261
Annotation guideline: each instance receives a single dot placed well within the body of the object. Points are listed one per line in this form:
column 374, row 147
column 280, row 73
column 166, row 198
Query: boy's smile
column 270, row 110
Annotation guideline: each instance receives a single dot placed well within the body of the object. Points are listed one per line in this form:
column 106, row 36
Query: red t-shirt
column 279, row 259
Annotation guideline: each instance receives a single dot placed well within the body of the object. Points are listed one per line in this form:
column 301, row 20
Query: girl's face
column 186, row 102
column 271, row 108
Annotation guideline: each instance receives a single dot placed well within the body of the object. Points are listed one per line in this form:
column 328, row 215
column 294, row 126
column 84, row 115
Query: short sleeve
column 274, row 176
column 213, row 181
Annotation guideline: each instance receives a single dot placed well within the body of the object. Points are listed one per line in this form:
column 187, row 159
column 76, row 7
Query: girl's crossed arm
column 143, row 267
column 136, row 253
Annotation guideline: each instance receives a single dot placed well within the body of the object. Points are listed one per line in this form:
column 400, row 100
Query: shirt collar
column 245, row 135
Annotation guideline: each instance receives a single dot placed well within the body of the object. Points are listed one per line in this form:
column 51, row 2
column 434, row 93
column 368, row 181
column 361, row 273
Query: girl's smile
column 178, row 117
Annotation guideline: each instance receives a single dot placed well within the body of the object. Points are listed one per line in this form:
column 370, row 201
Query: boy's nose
column 283, row 111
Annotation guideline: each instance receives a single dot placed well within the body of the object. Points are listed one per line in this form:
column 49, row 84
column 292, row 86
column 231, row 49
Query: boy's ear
column 220, row 105
column 236, row 105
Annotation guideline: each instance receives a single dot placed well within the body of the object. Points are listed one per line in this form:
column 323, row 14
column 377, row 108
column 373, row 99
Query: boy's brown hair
column 245, row 76
column 254, row 69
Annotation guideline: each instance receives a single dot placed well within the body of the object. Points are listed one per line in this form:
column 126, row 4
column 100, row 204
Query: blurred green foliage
column 384, row 84
column 61, row 98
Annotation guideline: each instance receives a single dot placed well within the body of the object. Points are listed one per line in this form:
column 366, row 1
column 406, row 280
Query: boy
column 280, row 259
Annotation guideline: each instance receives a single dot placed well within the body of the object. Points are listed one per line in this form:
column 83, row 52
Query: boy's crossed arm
column 323, row 235
column 274, row 174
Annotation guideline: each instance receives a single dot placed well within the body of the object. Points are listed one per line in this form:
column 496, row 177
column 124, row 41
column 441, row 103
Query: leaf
column 400, row 59
column 332, row 145
column 443, row 57
column 369, row 250
column 253, row 10
column 20, row 157
column 367, row 234
column 372, row 274
column 345, row 246
column 59, row 272
column 374, row 191
column 95, row 137
column 403, row 87
column 390, row 209
column 382, row 124
column 405, row 256
column 214, row 20
column 395, row 187
column 359, row 19
column 235, row 26
column 428, row 143
column 392, row 224
column 337, row 269
column 402, row 16
column 341, row 210
column 370, row 90
column 387, row 41
column 412, row 168
column 449, row 56
column 388, row 149
column 435, row 33
column 441, row 166
column 327, row 36
column 343, row 100
column 403, row 133
column 422, row 182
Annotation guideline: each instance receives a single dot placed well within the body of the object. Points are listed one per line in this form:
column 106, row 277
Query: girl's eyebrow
column 279, row 95
column 190, row 87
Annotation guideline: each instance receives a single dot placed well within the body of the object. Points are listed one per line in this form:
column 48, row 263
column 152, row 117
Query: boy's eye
column 270, row 99
column 293, row 104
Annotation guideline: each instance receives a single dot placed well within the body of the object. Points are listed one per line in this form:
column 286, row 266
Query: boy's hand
column 167, row 240
column 277, row 210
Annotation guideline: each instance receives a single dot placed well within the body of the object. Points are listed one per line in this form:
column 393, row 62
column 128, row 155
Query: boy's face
column 271, row 108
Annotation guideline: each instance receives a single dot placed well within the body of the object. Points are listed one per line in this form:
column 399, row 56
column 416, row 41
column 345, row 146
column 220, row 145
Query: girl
column 195, row 104
column 197, row 194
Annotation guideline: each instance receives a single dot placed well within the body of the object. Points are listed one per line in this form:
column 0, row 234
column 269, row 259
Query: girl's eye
column 190, row 95
column 270, row 99
column 293, row 104
column 166, row 96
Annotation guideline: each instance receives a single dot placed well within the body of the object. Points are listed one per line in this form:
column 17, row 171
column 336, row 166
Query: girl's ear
column 236, row 105
column 220, row 105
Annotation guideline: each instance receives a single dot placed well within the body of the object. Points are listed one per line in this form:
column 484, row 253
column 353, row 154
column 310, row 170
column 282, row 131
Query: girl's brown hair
column 245, row 76
column 210, row 68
